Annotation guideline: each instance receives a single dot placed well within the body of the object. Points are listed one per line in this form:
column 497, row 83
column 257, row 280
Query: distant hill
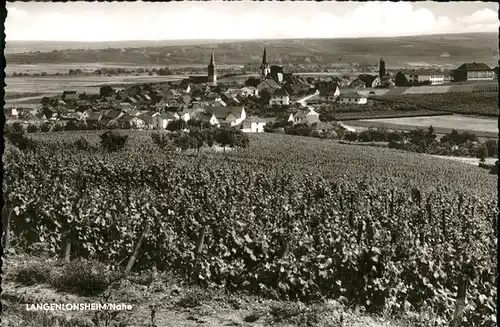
column 451, row 49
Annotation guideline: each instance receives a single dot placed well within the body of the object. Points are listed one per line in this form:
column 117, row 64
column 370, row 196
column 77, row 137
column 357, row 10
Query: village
column 274, row 98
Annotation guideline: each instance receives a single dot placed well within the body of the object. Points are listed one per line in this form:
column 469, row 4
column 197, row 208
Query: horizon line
column 257, row 39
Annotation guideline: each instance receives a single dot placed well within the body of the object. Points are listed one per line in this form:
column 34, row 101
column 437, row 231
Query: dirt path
column 210, row 312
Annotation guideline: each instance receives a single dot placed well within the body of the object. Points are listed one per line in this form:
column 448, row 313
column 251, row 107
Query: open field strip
column 482, row 127
column 470, row 161
column 428, row 89
column 57, row 84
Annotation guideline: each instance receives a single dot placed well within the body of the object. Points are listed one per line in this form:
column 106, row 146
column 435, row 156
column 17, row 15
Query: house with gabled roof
column 130, row 121
column 268, row 85
column 11, row 112
column 228, row 115
column 161, row 121
column 352, row 98
column 147, row 116
column 49, row 111
column 108, row 116
column 280, row 97
column 69, row 96
column 357, row 84
column 249, row 91
column 308, row 116
column 188, row 114
column 253, row 124
column 473, row 72
column 173, row 94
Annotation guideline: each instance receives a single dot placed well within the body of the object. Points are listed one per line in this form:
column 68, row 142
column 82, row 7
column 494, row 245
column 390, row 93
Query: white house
column 280, row 97
column 227, row 115
column 249, row 91
column 432, row 77
column 11, row 112
column 161, row 121
column 253, row 125
column 308, row 116
column 188, row 114
column 329, row 94
column 352, row 98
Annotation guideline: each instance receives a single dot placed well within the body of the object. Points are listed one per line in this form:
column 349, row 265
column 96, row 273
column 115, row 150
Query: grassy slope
column 177, row 304
column 396, row 51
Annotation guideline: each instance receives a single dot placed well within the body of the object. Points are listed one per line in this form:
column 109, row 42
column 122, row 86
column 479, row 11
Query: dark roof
column 111, row 114
column 280, row 92
column 255, row 119
column 351, row 95
column 223, row 112
column 311, row 119
column 323, row 126
column 474, row 67
column 368, row 79
column 270, row 82
column 167, row 115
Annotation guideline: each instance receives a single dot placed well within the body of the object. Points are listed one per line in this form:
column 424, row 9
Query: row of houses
column 465, row 73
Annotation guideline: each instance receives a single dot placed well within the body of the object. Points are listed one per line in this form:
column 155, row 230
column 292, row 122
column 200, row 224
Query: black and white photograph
column 250, row 163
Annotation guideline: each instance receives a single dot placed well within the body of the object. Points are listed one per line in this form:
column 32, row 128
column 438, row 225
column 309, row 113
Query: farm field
column 469, row 161
column 472, row 87
column 89, row 84
column 465, row 103
column 482, row 127
column 378, row 114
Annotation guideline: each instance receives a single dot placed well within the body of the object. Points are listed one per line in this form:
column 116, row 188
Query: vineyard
column 481, row 103
column 288, row 217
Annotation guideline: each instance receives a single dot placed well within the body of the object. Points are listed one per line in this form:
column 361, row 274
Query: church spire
column 212, row 61
column 264, row 67
column 212, row 74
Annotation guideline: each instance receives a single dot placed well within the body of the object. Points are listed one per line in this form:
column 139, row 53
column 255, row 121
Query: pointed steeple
column 212, row 75
column 264, row 57
column 212, row 60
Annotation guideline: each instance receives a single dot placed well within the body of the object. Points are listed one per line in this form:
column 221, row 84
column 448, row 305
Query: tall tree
column 381, row 69
column 401, row 79
column 105, row 91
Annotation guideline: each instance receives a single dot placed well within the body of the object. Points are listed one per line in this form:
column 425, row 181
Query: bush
column 82, row 144
column 20, row 141
column 176, row 125
column 32, row 129
column 45, row 127
column 351, row 136
column 163, row 141
column 492, row 148
column 73, row 126
column 194, row 298
column 33, row 273
column 17, row 128
column 112, row 141
column 57, row 128
column 85, row 277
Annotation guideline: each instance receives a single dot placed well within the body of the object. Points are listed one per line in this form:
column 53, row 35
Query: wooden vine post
column 66, row 254
column 460, row 304
column 6, row 229
column 137, row 248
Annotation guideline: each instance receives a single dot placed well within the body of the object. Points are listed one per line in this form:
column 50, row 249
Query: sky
column 119, row 21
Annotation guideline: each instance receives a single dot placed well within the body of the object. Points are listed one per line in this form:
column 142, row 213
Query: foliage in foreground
column 240, row 223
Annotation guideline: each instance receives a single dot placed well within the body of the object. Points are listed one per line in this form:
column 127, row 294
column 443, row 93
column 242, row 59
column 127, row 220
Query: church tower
column 212, row 74
column 264, row 67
